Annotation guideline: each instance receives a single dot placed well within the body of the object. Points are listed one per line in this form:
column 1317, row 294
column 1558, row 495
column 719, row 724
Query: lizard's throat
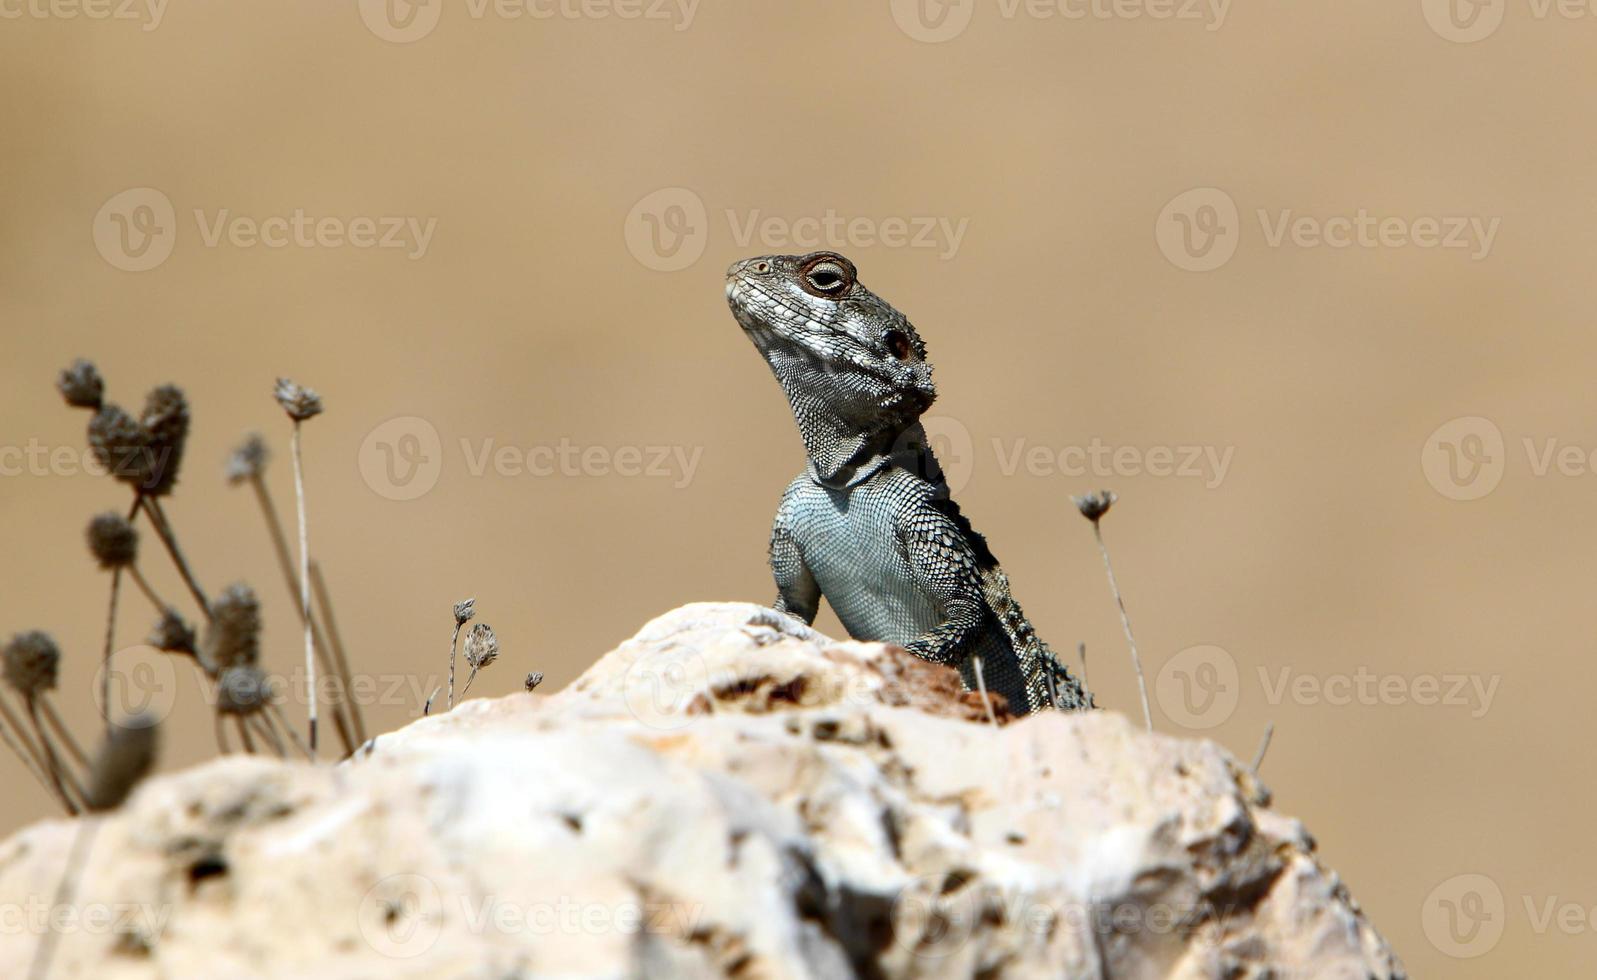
column 842, row 455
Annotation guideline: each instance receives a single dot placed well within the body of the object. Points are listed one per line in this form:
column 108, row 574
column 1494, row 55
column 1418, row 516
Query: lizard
column 870, row 524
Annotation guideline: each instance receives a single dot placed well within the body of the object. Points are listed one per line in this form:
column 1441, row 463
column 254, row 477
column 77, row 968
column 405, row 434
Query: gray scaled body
column 870, row 524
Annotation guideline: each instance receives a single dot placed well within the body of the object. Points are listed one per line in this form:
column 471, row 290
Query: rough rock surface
column 727, row 794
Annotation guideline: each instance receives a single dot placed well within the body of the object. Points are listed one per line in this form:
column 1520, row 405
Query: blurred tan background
column 1082, row 283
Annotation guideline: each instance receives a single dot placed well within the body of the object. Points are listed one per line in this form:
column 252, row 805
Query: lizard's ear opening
column 898, row 342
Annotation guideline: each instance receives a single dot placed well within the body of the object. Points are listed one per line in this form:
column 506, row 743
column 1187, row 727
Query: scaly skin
column 870, row 524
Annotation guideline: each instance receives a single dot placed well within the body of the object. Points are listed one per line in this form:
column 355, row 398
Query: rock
column 729, row 793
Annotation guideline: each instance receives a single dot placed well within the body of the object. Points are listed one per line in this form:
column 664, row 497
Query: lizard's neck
column 841, row 458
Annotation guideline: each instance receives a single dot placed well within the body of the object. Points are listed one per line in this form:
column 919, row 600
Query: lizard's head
column 836, row 347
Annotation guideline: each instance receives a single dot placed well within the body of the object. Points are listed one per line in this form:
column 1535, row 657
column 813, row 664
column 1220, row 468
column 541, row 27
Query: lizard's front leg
column 797, row 592
column 944, row 567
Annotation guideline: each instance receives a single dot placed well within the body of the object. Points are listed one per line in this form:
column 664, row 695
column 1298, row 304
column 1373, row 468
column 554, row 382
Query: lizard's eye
column 899, row 344
column 827, row 277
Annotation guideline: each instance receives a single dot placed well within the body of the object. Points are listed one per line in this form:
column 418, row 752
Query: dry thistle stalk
column 122, row 445
column 302, row 403
column 115, row 545
column 482, row 649
column 233, row 636
column 166, row 419
column 81, row 385
column 172, row 635
column 30, row 665
column 247, row 464
column 1093, row 507
column 464, row 610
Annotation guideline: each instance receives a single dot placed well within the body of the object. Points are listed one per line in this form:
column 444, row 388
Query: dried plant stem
column 469, row 678
column 1264, row 746
column 1125, row 621
column 219, row 725
column 52, row 765
column 15, row 741
column 453, row 642
column 1081, row 652
column 281, row 723
column 82, row 841
column 324, row 601
column 163, row 530
column 285, row 562
column 64, row 733
column 267, row 731
column 244, row 734
column 105, row 663
column 144, row 587
column 305, row 581
column 981, row 686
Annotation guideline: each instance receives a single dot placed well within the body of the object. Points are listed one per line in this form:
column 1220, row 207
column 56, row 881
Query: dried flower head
column 242, row 690
column 482, row 647
column 534, row 679
column 81, row 385
column 248, row 460
column 297, row 400
column 113, row 541
column 1094, row 505
column 166, row 419
column 233, row 637
column 121, row 444
column 125, row 757
column 32, row 662
column 172, row 635
column 464, row 611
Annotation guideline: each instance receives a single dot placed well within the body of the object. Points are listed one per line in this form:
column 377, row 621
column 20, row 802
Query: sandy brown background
column 534, row 319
